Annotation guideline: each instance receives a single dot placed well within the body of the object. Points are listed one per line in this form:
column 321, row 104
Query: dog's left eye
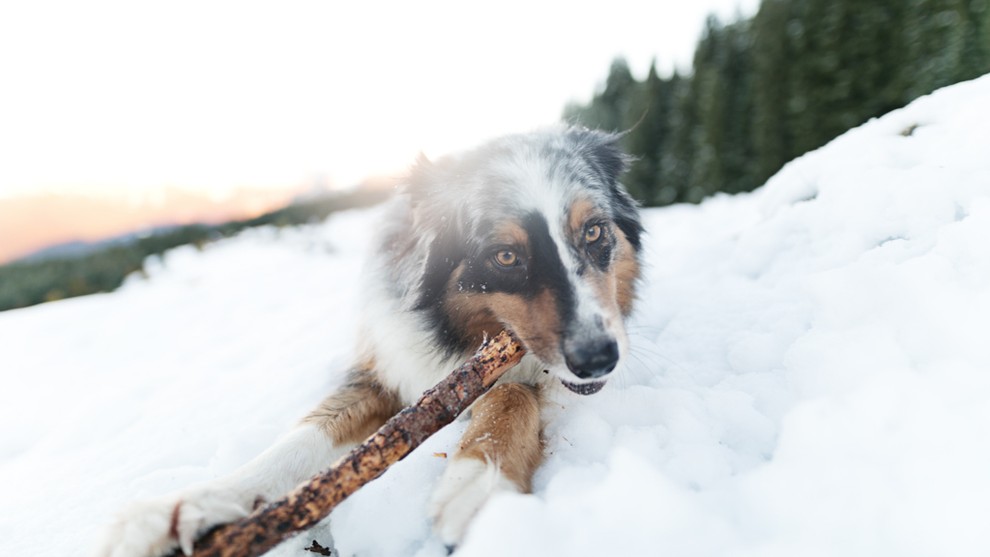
column 506, row 258
column 592, row 233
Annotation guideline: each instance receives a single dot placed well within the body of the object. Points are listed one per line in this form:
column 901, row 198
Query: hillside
column 83, row 268
column 809, row 375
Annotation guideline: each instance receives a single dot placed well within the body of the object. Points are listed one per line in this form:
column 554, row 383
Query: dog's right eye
column 506, row 258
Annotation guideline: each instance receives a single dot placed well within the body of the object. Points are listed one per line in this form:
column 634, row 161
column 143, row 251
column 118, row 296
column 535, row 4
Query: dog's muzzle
column 590, row 358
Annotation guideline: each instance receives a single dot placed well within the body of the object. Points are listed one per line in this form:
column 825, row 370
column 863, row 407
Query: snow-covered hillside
column 810, row 377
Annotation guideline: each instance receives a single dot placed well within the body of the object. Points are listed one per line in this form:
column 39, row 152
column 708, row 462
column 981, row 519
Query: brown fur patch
column 582, row 210
column 625, row 269
column 468, row 313
column 534, row 321
column 616, row 288
column 173, row 525
column 355, row 411
column 505, row 429
column 604, row 285
column 511, row 234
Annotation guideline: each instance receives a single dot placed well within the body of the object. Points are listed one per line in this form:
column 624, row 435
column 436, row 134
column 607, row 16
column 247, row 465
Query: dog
column 531, row 232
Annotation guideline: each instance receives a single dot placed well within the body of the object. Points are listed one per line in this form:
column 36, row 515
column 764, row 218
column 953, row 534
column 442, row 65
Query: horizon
column 32, row 223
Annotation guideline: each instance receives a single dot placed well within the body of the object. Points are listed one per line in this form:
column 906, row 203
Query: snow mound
column 809, row 375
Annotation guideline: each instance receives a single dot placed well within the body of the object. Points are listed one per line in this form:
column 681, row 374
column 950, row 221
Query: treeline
column 30, row 282
column 767, row 89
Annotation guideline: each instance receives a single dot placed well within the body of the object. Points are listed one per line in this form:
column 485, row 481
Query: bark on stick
column 312, row 501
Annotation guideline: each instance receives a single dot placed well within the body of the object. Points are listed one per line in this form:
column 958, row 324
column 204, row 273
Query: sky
column 126, row 98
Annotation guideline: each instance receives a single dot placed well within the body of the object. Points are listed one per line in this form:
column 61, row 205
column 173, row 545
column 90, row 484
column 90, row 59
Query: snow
column 809, row 377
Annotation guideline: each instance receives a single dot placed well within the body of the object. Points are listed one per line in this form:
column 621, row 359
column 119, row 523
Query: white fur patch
column 146, row 528
column 406, row 359
column 465, row 486
column 157, row 526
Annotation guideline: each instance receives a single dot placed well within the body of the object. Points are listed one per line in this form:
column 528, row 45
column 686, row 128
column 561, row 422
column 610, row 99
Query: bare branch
column 312, row 501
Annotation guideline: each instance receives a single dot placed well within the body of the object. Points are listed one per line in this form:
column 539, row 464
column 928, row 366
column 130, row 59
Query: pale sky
column 132, row 96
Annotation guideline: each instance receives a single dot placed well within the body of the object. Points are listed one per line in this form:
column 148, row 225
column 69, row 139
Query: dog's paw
column 156, row 527
column 465, row 486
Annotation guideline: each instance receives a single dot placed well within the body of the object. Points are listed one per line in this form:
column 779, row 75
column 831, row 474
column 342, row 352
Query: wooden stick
column 312, row 501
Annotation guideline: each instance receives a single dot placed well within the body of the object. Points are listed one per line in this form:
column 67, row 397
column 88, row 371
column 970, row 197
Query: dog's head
column 534, row 233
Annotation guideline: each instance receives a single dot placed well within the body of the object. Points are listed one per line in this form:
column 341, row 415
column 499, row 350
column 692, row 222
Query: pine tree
column 675, row 160
column 724, row 159
column 734, row 147
column 651, row 105
column 706, row 171
column 974, row 59
column 771, row 135
column 951, row 42
column 769, row 89
column 678, row 159
column 608, row 109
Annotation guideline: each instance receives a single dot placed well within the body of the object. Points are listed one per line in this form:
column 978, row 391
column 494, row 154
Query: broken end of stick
column 503, row 348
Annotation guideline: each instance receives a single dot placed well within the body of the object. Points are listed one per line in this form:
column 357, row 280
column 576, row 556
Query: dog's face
column 533, row 233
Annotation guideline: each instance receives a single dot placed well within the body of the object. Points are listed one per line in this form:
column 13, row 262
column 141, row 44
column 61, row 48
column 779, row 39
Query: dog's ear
column 609, row 158
column 430, row 187
column 429, row 190
column 427, row 179
column 603, row 152
column 443, row 256
column 446, row 249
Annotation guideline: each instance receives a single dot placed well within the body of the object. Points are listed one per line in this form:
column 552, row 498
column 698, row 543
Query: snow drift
column 810, row 375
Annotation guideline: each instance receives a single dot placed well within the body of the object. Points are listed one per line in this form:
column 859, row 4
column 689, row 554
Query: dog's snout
column 593, row 358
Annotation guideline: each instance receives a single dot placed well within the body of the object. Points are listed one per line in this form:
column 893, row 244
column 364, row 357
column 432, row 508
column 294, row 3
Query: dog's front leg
column 154, row 527
column 499, row 452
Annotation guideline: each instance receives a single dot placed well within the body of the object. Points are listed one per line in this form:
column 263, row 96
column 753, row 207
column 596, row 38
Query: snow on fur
column 809, row 375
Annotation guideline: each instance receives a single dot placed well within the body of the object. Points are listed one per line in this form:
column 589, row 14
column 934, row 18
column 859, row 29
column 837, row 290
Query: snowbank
column 810, row 375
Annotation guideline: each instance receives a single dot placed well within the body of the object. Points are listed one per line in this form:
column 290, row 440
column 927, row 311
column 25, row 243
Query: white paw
column 155, row 527
column 465, row 486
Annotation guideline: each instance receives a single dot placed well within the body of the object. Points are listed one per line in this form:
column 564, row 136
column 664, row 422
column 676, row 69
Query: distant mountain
column 31, row 223
column 66, row 250
column 78, row 248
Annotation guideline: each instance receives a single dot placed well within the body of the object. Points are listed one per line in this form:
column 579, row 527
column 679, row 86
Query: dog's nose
column 591, row 359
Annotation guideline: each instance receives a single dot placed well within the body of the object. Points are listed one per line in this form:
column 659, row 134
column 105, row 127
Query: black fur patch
column 548, row 271
column 445, row 254
column 600, row 252
column 628, row 222
column 540, row 268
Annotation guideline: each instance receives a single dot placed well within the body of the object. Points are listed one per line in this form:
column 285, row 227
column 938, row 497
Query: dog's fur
column 530, row 232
